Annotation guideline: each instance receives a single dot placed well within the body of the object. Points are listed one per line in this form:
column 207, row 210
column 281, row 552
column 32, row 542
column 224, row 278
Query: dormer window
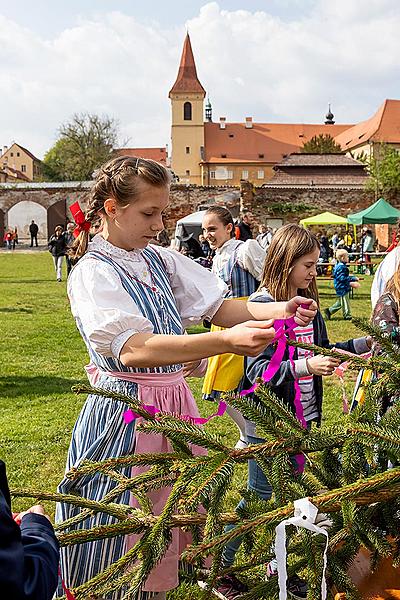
column 223, row 155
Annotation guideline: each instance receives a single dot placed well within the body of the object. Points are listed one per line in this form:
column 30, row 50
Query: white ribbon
column 305, row 514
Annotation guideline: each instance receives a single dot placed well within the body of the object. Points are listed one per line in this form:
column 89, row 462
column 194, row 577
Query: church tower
column 187, row 136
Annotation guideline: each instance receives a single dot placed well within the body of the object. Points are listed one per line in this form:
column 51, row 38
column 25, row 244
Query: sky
column 274, row 60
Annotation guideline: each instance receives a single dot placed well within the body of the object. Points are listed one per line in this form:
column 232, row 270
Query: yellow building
column 17, row 159
column 223, row 153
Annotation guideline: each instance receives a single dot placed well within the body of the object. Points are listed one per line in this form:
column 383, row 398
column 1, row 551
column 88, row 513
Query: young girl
column 131, row 302
column 290, row 268
column 239, row 264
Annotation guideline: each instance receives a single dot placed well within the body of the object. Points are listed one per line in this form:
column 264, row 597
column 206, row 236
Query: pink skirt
column 169, row 393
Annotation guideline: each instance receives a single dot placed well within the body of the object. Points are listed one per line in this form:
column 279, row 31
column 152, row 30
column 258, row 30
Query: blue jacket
column 342, row 278
column 28, row 554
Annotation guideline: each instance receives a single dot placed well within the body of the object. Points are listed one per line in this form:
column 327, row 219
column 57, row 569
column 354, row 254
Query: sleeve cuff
column 213, row 309
column 118, row 342
column 300, row 368
column 360, row 345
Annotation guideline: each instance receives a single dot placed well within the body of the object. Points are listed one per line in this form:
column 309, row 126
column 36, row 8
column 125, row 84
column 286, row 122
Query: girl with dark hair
column 131, row 302
column 239, row 264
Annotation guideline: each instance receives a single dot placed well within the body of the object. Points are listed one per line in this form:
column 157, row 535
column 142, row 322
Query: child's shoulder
column 261, row 295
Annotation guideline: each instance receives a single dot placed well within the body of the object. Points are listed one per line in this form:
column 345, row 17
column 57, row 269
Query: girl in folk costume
column 239, row 264
column 131, row 301
column 290, row 268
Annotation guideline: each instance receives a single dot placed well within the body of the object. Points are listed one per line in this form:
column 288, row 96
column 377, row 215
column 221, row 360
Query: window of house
column 260, row 174
column 187, row 111
column 230, row 175
column 187, row 150
column 23, row 168
column 18, row 153
column 187, row 172
column 261, row 156
column 212, row 174
column 11, row 153
column 223, row 155
column 245, row 174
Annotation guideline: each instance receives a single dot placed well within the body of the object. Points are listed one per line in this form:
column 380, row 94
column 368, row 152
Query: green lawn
column 43, row 356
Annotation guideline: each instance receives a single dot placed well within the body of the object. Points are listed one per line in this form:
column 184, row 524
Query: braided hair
column 118, row 178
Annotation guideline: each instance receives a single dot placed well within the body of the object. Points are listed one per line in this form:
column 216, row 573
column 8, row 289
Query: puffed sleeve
column 198, row 292
column 105, row 311
column 251, row 257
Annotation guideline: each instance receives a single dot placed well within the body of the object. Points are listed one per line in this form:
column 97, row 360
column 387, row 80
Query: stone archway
column 21, row 214
column 56, row 215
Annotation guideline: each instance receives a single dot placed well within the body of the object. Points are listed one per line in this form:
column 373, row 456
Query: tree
column 383, row 168
column 346, row 476
column 321, row 144
column 83, row 145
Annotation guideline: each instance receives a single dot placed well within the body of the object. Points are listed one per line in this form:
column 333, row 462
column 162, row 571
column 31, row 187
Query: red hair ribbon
column 79, row 218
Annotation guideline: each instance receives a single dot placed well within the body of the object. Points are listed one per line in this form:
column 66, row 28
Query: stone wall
column 290, row 204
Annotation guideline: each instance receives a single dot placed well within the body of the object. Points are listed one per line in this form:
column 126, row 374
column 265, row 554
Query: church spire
column 187, row 80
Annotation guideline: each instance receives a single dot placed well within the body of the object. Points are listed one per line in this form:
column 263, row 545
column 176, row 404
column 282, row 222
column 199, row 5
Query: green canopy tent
column 379, row 212
column 326, row 218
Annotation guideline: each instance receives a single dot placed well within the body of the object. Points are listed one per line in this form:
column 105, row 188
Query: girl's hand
column 249, row 338
column 302, row 316
column 354, row 284
column 322, row 365
column 36, row 510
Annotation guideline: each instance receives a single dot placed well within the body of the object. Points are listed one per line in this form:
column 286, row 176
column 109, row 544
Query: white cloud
column 344, row 52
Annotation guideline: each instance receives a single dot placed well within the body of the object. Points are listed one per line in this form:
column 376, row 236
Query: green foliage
column 84, row 143
column 321, row 144
column 383, row 168
column 38, row 412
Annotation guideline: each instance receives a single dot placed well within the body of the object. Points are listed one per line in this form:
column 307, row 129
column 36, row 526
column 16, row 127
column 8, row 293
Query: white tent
column 190, row 224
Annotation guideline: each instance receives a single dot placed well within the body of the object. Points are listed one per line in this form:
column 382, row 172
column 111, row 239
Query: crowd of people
column 132, row 300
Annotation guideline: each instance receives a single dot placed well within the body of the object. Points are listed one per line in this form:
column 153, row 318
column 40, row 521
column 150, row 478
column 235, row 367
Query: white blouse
column 109, row 316
column 250, row 255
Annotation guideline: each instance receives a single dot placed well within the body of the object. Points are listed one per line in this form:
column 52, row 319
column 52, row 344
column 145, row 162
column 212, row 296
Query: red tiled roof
column 158, row 154
column 383, row 126
column 187, row 80
column 15, row 173
column 300, row 159
column 273, row 140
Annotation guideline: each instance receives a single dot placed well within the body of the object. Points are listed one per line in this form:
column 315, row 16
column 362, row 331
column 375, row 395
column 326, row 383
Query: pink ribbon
column 283, row 328
column 130, row 416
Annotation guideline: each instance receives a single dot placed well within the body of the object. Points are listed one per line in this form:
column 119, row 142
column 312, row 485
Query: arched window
column 187, row 111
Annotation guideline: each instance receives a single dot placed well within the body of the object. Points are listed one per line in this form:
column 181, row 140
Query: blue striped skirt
column 99, row 433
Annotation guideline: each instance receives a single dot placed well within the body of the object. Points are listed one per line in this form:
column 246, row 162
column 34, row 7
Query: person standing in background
column 33, row 230
column 243, row 228
column 58, row 249
column 69, row 240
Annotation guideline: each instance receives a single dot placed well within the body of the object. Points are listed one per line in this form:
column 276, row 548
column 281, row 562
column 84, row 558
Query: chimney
column 222, row 122
column 249, row 122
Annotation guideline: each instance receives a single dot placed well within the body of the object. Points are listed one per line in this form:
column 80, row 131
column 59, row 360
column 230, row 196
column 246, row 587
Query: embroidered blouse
column 109, row 316
column 251, row 256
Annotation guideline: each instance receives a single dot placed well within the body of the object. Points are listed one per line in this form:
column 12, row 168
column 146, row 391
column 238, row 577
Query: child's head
column 342, row 255
column 129, row 195
column 218, row 226
column 58, row 230
column 290, row 265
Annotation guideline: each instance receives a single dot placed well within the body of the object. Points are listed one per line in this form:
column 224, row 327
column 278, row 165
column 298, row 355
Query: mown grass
column 43, row 356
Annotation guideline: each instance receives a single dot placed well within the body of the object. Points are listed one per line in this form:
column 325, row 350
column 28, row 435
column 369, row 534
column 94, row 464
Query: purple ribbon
column 284, row 328
column 130, row 416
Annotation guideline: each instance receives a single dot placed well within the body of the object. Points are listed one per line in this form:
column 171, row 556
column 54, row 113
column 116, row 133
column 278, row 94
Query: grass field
column 42, row 356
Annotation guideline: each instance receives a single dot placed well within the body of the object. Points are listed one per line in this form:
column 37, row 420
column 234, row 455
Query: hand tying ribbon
column 284, row 328
column 79, row 218
column 130, row 416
